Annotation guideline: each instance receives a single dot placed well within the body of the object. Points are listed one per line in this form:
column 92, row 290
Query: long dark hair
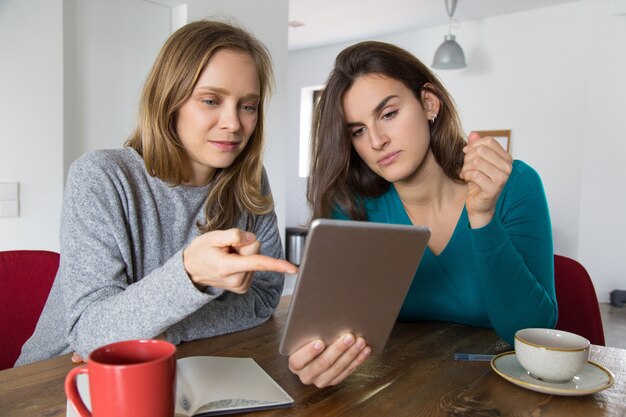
column 339, row 179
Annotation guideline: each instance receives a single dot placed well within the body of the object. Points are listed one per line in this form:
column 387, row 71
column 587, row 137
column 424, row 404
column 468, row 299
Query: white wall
column 602, row 234
column 31, row 119
column 69, row 82
column 555, row 77
column 109, row 48
column 71, row 72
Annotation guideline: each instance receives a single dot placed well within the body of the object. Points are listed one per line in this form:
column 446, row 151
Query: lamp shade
column 449, row 55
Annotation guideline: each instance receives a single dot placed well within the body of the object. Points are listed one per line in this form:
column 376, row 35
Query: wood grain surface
column 414, row 376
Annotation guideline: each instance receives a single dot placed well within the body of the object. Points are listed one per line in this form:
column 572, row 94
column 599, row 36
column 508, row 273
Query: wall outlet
column 9, row 208
column 8, row 191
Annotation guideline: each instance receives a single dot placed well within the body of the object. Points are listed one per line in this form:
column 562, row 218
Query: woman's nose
column 378, row 139
column 229, row 119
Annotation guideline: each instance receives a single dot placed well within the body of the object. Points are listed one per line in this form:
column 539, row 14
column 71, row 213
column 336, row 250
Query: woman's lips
column 388, row 159
column 224, row 145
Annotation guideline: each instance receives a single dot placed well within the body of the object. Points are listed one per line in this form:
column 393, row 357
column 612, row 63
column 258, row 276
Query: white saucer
column 593, row 377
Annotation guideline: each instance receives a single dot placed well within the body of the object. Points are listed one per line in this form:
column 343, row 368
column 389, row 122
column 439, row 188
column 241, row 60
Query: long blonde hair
column 236, row 190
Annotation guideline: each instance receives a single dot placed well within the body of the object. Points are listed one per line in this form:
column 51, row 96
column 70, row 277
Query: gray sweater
column 121, row 274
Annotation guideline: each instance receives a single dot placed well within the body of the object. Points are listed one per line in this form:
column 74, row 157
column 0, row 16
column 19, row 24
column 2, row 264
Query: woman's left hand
column 323, row 366
column 486, row 168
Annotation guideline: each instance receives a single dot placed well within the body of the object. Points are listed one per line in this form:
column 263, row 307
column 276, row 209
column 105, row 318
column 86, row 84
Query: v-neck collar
column 405, row 219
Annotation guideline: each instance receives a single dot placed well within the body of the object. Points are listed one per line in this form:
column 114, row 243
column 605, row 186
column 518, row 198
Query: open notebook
column 213, row 385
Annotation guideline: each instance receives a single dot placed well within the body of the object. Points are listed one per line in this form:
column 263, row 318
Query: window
column 308, row 98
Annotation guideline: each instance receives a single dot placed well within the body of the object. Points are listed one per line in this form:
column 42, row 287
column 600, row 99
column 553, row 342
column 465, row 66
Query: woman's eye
column 389, row 115
column 357, row 132
column 249, row 108
column 210, row 102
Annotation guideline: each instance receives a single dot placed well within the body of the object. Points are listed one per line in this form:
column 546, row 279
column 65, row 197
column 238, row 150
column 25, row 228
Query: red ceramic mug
column 133, row 378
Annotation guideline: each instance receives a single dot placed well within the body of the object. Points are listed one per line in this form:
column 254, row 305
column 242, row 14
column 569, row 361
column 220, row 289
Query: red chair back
column 26, row 277
column 579, row 311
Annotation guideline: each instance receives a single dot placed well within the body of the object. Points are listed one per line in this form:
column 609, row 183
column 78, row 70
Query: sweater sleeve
column 104, row 302
column 514, row 254
column 233, row 312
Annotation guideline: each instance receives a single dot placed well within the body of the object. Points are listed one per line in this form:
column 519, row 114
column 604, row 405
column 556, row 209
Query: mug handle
column 71, row 390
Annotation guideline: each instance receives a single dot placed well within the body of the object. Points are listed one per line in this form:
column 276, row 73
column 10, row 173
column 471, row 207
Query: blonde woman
column 174, row 235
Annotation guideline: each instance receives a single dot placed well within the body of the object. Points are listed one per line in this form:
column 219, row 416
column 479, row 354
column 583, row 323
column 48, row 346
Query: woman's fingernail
column 360, row 343
column 348, row 339
column 318, row 345
column 249, row 237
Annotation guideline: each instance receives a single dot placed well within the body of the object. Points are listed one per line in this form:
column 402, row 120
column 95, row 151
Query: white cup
column 551, row 355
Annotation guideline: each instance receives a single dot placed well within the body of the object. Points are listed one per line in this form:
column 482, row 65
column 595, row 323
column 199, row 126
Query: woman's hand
column 227, row 259
column 316, row 364
column 486, row 169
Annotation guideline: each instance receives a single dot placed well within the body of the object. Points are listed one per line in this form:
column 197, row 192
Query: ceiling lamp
column 449, row 55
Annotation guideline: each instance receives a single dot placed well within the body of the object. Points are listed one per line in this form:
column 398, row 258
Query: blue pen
column 472, row 357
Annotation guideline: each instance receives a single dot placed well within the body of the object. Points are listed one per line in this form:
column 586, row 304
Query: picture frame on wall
column 502, row 136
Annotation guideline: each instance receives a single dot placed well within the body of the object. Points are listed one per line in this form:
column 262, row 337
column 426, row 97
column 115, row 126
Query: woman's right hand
column 227, row 259
column 324, row 366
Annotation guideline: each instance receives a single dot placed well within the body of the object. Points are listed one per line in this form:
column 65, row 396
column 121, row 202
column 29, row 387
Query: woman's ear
column 431, row 103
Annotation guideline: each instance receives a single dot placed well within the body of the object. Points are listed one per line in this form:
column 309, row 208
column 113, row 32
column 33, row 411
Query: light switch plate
column 8, row 191
column 9, row 208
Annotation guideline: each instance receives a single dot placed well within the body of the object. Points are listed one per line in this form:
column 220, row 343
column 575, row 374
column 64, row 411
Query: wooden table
column 415, row 376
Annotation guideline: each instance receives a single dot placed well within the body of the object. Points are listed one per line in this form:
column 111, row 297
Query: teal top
column 500, row 275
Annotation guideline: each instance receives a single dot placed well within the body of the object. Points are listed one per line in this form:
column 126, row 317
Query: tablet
column 354, row 277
